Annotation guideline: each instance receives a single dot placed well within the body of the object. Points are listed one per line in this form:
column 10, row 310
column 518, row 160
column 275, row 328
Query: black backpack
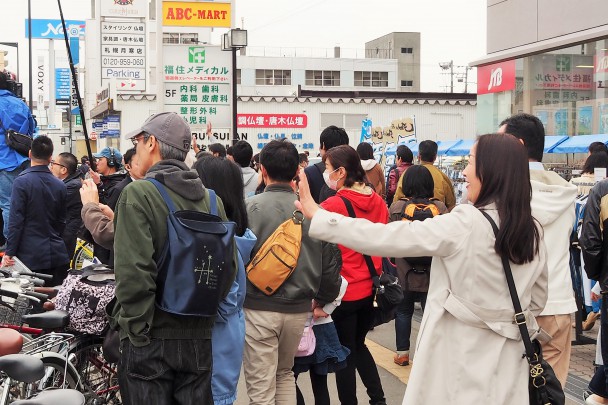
column 196, row 262
column 419, row 209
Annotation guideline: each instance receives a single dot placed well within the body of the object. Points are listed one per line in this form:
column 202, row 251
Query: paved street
column 381, row 342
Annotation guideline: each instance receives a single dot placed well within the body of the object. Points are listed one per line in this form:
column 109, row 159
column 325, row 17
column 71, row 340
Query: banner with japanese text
column 198, row 86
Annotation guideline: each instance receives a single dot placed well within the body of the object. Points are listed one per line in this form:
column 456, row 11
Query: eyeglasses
column 55, row 163
column 136, row 138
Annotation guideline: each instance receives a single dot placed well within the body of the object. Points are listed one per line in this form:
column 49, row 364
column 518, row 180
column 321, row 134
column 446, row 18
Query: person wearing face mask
column 353, row 318
column 469, row 349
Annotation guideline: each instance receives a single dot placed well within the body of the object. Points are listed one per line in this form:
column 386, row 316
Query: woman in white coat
column 469, row 349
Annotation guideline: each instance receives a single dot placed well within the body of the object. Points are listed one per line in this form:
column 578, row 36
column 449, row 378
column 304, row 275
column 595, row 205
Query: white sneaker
column 590, row 401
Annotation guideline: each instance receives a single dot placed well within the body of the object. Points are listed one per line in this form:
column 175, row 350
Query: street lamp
column 234, row 39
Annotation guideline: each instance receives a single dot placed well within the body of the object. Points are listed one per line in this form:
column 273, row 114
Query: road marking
column 384, row 359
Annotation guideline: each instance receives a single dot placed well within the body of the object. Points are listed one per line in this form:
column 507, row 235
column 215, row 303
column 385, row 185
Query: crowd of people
column 469, row 349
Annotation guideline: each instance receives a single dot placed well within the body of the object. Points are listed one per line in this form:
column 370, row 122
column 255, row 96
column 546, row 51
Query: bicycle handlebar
column 40, row 296
column 9, row 294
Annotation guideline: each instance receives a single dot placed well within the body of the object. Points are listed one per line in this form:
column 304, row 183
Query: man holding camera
column 15, row 115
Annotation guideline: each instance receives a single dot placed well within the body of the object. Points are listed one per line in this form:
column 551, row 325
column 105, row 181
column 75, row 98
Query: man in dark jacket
column 65, row 168
column 331, row 136
column 594, row 245
column 131, row 175
column 38, row 216
column 107, row 177
column 274, row 324
column 165, row 358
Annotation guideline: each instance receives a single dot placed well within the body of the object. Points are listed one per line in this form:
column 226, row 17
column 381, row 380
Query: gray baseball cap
column 167, row 127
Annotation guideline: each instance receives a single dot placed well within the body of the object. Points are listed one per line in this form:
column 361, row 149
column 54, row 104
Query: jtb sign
column 496, row 77
column 52, row 29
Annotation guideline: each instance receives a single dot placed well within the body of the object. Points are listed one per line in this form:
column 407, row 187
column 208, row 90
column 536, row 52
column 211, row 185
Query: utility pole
column 466, row 78
column 446, row 66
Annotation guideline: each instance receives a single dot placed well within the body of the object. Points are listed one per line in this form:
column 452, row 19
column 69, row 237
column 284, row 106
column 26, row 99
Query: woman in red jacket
column 353, row 318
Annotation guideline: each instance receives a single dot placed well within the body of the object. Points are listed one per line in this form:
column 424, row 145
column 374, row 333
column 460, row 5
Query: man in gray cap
column 165, row 358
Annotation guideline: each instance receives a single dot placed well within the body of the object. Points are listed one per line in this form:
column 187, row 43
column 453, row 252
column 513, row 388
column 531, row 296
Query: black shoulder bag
column 543, row 386
column 21, row 143
column 387, row 291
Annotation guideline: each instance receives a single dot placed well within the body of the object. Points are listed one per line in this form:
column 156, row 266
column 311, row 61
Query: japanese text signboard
column 198, row 85
column 272, row 120
column 123, row 54
column 199, row 14
column 561, row 72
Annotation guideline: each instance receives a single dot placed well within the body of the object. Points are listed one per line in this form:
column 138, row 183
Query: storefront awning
column 552, row 141
column 579, row 143
column 463, row 148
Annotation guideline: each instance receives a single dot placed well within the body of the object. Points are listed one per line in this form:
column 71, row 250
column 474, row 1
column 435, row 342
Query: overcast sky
column 450, row 29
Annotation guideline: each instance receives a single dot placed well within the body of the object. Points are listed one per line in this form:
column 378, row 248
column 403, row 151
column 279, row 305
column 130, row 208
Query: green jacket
column 140, row 223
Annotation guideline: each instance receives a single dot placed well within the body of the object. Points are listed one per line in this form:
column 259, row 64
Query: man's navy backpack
column 195, row 265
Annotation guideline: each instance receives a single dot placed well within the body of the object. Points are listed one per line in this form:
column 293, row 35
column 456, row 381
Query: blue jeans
column 166, row 372
column 599, row 382
column 403, row 318
column 6, row 188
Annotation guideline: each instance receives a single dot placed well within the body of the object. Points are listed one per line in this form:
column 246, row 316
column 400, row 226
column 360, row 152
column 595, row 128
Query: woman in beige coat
column 469, row 350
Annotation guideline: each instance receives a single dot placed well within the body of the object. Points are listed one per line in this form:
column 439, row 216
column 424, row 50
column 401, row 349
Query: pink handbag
column 308, row 342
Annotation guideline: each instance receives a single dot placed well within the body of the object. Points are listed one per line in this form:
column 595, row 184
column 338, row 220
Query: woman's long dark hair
column 225, row 178
column 501, row 164
column 345, row 156
column 595, row 160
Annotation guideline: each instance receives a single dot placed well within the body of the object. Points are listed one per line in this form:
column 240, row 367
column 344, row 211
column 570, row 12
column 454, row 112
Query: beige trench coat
column 469, row 350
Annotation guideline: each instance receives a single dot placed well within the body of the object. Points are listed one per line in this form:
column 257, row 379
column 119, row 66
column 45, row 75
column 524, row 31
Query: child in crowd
column 329, row 355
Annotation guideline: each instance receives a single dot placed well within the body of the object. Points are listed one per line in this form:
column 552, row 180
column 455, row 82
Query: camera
column 7, row 83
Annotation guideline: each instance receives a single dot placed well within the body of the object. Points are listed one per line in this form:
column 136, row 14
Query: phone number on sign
column 123, row 61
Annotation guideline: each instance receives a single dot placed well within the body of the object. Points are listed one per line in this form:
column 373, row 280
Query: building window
column 371, row 79
column 268, row 77
column 407, row 50
column 180, row 38
column 407, row 83
column 322, row 78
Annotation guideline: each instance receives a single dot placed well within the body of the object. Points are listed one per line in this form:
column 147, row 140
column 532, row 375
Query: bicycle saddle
column 11, row 341
column 22, row 367
column 47, row 320
column 54, row 397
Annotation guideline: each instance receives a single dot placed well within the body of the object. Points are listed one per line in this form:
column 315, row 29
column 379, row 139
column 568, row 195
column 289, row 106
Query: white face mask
column 332, row 184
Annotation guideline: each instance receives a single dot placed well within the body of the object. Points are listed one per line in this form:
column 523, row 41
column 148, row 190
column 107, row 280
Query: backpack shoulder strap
column 212, row 202
column 368, row 259
column 163, row 193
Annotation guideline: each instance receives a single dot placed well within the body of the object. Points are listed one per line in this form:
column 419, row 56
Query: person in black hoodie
column 107, row 177
column 331, row 136
column 65, row 167
column 132, row 174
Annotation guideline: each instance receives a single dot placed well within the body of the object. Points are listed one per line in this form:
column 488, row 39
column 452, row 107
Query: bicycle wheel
column 99, row 377
column 56, row 375
column 84, row 251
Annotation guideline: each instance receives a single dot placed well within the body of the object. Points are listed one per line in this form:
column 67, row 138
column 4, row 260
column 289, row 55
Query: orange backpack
column 278, row 257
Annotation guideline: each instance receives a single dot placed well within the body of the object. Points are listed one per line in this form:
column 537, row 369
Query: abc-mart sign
column 496, row 78
column 52, row 29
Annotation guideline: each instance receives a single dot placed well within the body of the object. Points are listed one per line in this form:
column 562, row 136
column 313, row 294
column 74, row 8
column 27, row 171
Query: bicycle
column 21, row 370
column 84, row 251
column 70, row 360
